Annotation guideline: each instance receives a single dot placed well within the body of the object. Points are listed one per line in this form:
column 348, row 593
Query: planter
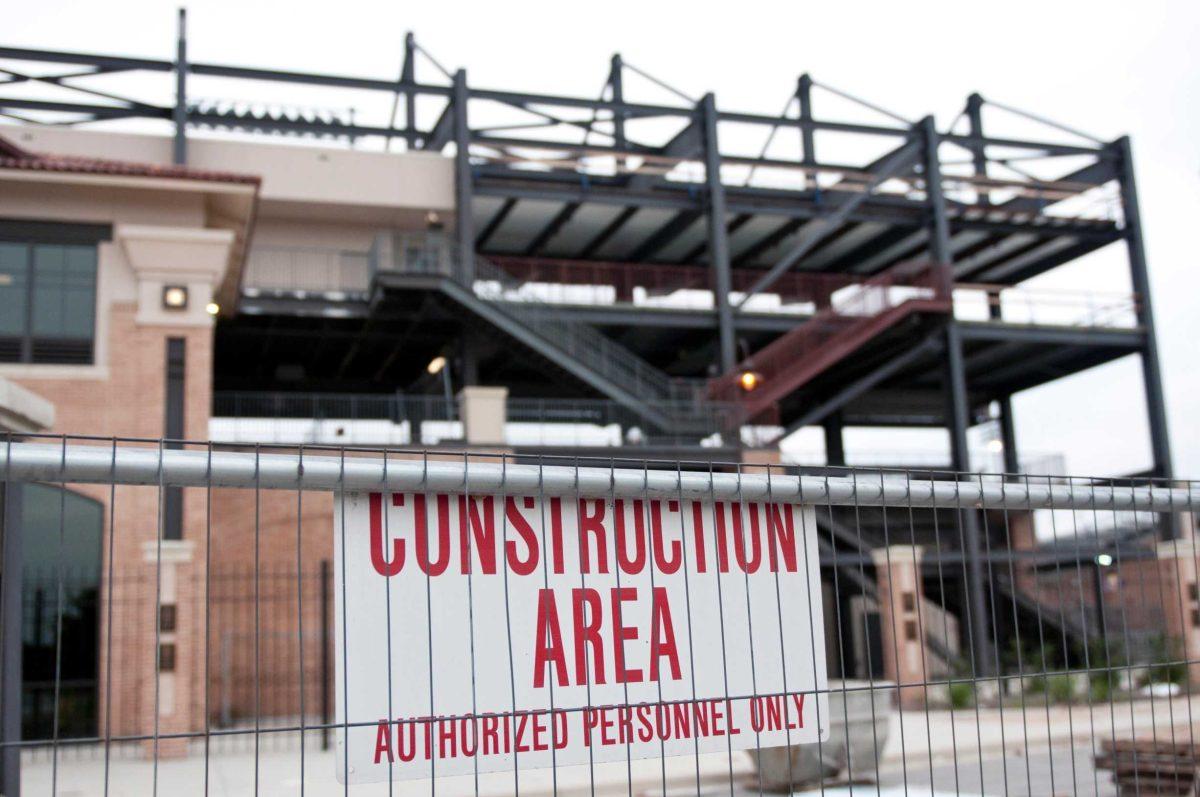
column 858, row 722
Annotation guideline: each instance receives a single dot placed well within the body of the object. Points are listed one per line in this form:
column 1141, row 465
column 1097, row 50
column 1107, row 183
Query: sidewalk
column 1021, row 751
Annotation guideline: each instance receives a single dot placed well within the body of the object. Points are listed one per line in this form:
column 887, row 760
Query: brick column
column 1180, row 576
column 1021, row 537
column 180, row 650
column 898, row 574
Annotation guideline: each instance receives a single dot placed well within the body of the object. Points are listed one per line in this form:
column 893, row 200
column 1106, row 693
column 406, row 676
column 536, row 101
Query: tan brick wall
column 127, row 399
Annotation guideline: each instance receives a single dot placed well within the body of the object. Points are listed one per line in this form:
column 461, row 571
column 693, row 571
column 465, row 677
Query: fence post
column 325, row 673
column 10, row 638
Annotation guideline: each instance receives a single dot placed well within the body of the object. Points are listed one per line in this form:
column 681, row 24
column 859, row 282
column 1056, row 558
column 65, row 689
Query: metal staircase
column 854, row 316
column 671, row 404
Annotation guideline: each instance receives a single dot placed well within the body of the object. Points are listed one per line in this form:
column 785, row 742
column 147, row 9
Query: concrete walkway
column 991, row 751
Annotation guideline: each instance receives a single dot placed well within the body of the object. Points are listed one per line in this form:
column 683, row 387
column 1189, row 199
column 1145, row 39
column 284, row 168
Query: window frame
column 32, row 234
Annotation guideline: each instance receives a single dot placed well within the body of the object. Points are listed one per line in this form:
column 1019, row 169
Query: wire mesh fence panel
column 336, row 621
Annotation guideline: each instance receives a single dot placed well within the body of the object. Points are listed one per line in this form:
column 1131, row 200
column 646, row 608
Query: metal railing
column 853, row 317
column 305, row 270
column 1045, row 307
column 548, row 282
column 374, row 419
column 229, row 662
column 427, row 254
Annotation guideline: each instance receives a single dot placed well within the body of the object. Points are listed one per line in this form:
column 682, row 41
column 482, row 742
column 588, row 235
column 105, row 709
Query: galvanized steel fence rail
column 225, row 659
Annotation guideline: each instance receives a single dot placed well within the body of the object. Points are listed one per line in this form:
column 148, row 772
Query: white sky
column 1106, row 68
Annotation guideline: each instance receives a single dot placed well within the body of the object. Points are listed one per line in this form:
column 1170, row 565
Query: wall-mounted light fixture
column 175, row 297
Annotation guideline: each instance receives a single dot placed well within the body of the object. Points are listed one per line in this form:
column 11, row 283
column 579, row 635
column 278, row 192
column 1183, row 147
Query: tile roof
column 14, row 157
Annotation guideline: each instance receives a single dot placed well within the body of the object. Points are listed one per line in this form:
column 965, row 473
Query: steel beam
column 825, row 223
column 865, row 383
column 974, row 113
column 994, row 332
column 664, row 235
column 616, row 85
column 1008, row 436
column 610, row 229
column 835, row 446
column 693, row 255
column 443, row 131
column 463, row 179
column 494, row 223
column 807, row 136
column 97, row 111
column 408, row 75
column 180, row 112
column 1139, row 275
column 718, row 241
column 958, row 402
column 770, row 240
column 551, row 229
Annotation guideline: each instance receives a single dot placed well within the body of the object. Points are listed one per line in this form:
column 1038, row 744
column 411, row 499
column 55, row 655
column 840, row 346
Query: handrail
column 797, row 356
column 1048, row 306
column 624, row 277
column 435, row 254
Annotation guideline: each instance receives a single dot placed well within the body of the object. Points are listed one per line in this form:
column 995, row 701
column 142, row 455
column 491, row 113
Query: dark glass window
column 47, row 293
column 61, row 537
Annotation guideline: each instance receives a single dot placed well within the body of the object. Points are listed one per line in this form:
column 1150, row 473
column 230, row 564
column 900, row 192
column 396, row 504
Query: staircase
column 671, row 404
column 855, row 315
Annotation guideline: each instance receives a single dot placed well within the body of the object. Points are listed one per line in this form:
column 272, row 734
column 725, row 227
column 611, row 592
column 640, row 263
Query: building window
column 48, row 292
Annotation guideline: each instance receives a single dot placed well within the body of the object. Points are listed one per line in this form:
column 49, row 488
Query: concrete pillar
column 1180, row 579
column 898, row 573
column 483, row 411
column 762, row 461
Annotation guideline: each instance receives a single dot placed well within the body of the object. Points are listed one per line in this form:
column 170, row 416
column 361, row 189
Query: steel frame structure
column 492, row 163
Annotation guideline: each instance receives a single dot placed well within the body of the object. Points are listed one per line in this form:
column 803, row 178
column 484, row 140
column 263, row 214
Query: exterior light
column 175, row 297
column 212, row 308
column 1104, row 560
column 749, row 380
column 433, row 221
column 436, row 365
column 995, row 446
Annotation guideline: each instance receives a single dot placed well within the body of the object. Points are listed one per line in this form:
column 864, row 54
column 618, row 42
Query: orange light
column 749, row 380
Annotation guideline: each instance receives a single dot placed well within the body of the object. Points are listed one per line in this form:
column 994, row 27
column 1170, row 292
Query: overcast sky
column 1105, row 68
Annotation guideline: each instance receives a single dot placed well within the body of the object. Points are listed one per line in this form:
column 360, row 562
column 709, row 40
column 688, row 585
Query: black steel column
column 1151, row 370
column 958, row 402
column 807, row 134
column 1008, row 436
column 835, row 445
column 616, row 84
column 718, row 243
column 469, row 345
column 12, row 549
column 179, row 114
column 408, row 75
column 463, row 181
column 978, row 151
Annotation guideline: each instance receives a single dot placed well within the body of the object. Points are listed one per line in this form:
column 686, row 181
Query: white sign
column 485, row 633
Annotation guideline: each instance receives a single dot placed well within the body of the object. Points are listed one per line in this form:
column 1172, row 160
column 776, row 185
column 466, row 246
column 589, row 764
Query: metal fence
column 820, row 630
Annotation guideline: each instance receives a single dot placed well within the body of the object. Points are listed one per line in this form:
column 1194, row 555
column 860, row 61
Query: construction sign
column 485, row 633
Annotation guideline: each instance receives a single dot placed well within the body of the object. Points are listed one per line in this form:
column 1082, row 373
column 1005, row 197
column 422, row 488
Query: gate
column 337, row 620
